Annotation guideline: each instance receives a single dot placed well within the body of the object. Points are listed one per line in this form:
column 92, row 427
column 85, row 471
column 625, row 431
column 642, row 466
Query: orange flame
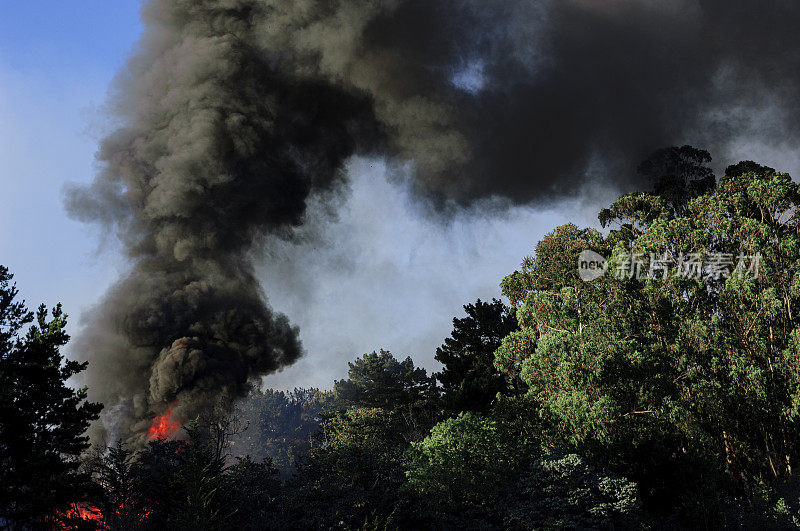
column 163, row 427
column 77, row 516
column 86, row 516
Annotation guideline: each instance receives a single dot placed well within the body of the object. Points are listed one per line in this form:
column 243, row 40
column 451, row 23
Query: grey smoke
column 520, row 97
column 236, row 112
column 383, row 273
column 217, row 149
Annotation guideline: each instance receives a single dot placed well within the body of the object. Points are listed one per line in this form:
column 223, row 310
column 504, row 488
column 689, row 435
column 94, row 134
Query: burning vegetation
column 233, row 114
column 163, row 426
column 620, row 403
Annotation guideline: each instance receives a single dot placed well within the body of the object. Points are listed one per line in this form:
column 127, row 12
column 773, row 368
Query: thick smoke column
column 521, row 97
column 235, row 111
column 217, row 149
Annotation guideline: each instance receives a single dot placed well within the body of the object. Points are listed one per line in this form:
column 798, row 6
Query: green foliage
column 630, row 402
column 157, row 481
column 469, row 378
column 253, row 493
column 566, row 493
column 496, row 471
column 117, row 497
column 42, row 420
column 353, row 477
column 280, row 425
column 380, row 380
column 514, row 349
column 187, row 485
column 203, row 501
column 690, row 385
column 466, row 460
column 678, row 174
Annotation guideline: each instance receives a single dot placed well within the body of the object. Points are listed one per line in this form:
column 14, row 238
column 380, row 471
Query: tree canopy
column 380, row 380
column 42, row 419
column 662, row 391
column 677, row 373
column 469, row 378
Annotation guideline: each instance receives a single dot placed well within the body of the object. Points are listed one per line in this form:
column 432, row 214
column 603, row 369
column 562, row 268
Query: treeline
column 379, row 451
column 664, row 393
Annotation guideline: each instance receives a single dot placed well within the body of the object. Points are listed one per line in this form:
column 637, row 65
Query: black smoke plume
column 235, row 111
column 218, row 148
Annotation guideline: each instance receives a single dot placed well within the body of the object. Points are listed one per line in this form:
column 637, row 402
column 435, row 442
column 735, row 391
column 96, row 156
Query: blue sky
column 57, row 60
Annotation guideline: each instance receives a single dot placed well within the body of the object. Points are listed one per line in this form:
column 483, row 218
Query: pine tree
column 119, row 501
column 42, row 419
column 381, row 380
column 469, row 378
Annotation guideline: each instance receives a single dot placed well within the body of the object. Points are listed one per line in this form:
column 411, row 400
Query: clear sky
column 56, row 62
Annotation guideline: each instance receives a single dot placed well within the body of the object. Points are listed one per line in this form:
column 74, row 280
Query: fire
column 78, row 516
column 86, row 516
column 163, row 427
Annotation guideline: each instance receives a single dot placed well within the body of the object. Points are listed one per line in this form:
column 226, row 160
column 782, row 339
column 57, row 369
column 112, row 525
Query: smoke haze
column 238, row 117
column 385, row 273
